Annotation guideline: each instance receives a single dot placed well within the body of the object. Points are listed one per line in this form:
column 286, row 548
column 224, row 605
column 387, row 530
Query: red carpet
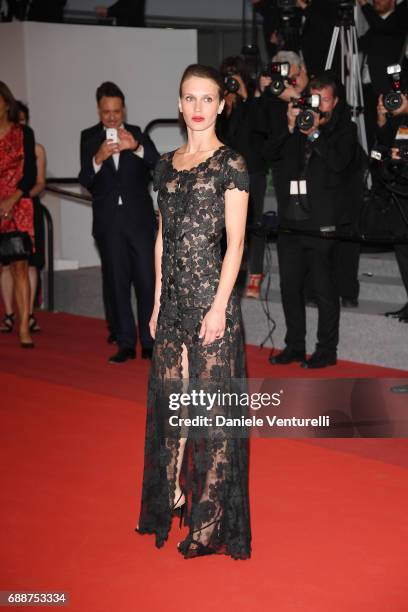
column 328, row 516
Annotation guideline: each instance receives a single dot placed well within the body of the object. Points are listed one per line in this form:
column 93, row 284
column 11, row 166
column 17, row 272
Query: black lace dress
column 214, row 473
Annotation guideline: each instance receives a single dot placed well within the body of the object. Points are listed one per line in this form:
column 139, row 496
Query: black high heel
column 191, row 548
column 8, row 323
column 33, row 324
column 179, row 510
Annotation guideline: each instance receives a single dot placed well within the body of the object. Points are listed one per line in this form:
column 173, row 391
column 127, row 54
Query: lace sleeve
column 235, row 172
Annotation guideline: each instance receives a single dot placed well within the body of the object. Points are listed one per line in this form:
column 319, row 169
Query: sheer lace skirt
column 214, row 472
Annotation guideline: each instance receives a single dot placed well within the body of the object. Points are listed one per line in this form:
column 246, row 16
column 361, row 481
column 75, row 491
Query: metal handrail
column 152, row 124
column 50, row 256
column 69, row 194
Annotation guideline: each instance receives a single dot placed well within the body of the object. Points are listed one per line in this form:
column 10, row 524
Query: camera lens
column 305, row 120
column 392, row 101
column 276, row 87
column 231, row 84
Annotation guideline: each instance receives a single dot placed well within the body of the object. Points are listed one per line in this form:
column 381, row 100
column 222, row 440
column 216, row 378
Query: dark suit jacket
column 47, row 10
column 383, row 42
column 130, row 181
column 129, row 13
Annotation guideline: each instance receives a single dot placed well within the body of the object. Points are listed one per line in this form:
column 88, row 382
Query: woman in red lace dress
column 17, row 177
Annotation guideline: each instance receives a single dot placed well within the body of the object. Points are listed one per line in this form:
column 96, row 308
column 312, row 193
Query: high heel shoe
column 253, row 288
column 178, row 509
column 33, row 324
column 191, row 548
column 7, row 323
column 26, row 344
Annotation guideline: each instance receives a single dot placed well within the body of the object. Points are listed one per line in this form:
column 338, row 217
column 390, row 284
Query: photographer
column 392, row 128
column 317, row 165
column 295, row 86
column 243, row 126
column 382, row 45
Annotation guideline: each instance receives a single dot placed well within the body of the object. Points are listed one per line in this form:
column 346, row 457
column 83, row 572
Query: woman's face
column 199, row 103
column 3, row 108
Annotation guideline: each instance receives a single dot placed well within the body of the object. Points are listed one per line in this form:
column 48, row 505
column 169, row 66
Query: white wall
column 56, row 68
column 64, row 64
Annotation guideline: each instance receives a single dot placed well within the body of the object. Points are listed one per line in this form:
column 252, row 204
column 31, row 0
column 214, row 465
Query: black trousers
column 299, row 255
column 347, row 259
column 401, row 253
column 256, row 246
column 127, row 258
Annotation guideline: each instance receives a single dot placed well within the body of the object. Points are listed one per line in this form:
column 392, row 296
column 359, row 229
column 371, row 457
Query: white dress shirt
column 139, row 152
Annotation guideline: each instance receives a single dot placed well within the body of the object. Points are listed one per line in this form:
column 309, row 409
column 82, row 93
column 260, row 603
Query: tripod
column 350, row 67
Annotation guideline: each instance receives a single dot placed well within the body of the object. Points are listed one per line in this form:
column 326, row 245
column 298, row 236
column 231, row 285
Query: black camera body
column 230, row 83
column 383, row 154
column 402, row 146
column 279, row 73
column 309, row 106
column 393, row 99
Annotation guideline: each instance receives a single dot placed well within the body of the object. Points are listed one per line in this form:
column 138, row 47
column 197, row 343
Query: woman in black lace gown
column 202, row 189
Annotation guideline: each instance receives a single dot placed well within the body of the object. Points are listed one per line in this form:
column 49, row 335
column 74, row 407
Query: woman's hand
column 6, row 205
column 381, row 112
column 153, row 321
column 213, row 326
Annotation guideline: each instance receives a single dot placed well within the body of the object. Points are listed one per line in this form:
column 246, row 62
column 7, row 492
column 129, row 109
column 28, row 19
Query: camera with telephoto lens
column 279, row 73
column 230, row 83
column 393, row 99
column 309, row 106
column 382, row 153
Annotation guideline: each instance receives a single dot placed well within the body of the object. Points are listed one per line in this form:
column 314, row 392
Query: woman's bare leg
column 182, row 441
column 33, row 276
column 7, row 288
column 19, row 270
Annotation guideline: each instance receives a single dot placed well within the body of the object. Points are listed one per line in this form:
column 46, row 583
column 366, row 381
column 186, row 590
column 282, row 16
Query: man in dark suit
column 117, row 174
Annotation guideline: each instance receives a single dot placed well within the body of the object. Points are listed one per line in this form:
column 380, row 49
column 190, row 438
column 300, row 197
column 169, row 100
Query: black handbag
column 14, row 245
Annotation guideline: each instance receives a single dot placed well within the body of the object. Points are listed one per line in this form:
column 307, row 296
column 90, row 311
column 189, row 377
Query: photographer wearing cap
column 243, row 126
column 317, row 165
column 392, row 130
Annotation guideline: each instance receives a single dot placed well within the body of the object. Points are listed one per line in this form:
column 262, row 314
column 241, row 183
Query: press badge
column 298, row 187
column 402, row 133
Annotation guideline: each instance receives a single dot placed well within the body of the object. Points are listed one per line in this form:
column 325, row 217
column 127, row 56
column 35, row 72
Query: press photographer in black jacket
column 392, row 126
column 316, row 167
column 244, row 126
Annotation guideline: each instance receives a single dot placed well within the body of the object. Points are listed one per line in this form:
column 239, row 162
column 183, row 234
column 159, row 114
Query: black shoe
column 122, row 355
column 349, row 302
column 111, row 339
column 396, row 314
column 288, row 355
column 7, row 325
column 319, row 360
column 147, row 353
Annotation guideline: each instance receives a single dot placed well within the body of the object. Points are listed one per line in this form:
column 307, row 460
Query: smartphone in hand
column 112, row 134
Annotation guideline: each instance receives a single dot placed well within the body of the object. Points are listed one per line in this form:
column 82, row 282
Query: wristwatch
column 314, row 136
